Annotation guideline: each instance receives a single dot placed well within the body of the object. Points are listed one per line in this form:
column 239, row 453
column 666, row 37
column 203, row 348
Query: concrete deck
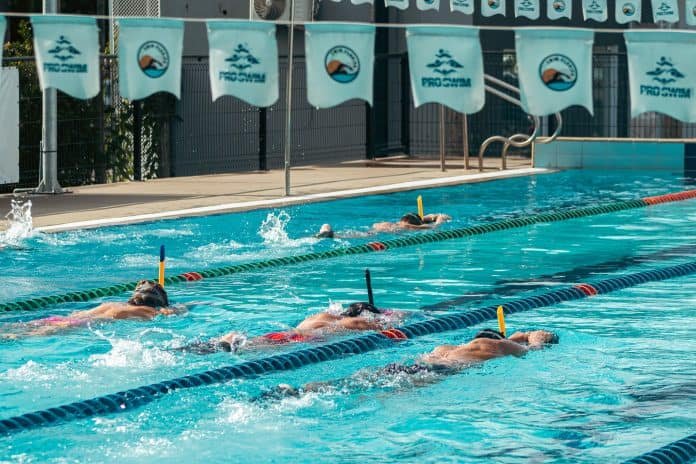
column 130, row 202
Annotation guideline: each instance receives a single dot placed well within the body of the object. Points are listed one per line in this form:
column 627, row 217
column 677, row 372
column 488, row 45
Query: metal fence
column 197, row 136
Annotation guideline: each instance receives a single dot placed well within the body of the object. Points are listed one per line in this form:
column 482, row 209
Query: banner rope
column 37, row 303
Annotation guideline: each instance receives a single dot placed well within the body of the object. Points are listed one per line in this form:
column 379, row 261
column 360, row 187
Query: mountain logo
column 342, row 64
column 558, row 72
column 595, row 7
column 444, row 64
column 241, row 61
column 64, row 50
column 665, row 72
column 242, row 58
column 526, row 5
column 493, row 4
column 664, row 10
column 628, row 9
column 153, row 59
column 559, row 6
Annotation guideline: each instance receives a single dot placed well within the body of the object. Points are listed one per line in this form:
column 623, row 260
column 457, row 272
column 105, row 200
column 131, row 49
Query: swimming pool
column 620, row 383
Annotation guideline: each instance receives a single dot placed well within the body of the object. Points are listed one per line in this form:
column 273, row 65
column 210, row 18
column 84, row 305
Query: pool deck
column 131, row 202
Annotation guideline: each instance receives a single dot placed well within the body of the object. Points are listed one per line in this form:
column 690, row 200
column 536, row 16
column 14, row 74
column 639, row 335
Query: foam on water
column 20, row 225
column 273, row 230
column 132, row 354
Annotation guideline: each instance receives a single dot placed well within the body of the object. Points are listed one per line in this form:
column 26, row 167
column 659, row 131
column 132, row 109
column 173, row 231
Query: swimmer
column 358, row 317
column 412, row 221
column 149, row 300
column 409, row 221
column 443, row 360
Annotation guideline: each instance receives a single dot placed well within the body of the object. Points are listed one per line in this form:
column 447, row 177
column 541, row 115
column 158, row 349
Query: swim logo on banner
column 446, row 67
column 244, row 61
column 67, row 54
column 149, row 53
column 340, row 63
column 557, row 9
column 555, row 69
column 662, row 73
column 400, row 4
column 527, row 9
column 665, row 10
column 690, row 12
column 492, row 7
column 628, row 10
column 428, row 4
column 595, row 9
column 463, row 6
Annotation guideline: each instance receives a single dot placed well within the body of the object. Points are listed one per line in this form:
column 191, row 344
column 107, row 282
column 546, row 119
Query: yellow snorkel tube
column 419, row 201
column 501, row 321
column 161, row 266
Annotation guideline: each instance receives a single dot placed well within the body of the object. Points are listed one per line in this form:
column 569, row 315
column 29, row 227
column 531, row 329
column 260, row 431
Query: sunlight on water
column 20, row 225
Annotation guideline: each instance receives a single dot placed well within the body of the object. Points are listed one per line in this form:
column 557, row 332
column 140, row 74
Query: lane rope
column 679, row 452
column 37, row 303
column 128, row 400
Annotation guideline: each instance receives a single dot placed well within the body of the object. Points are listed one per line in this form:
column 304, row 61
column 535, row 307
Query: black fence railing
column 194, row 135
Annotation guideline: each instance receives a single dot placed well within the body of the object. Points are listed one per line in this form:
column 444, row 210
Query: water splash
column 20, row 225
column 273, row 228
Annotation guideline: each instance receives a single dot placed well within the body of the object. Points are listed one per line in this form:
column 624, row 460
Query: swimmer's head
column 490, row 334
column 356, row 309
column 412, row 219
column 149, row 293
column 325, row 232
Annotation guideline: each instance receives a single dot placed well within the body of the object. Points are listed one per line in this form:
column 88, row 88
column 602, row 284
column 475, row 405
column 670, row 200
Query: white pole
column 49, row 142
column 288, row 114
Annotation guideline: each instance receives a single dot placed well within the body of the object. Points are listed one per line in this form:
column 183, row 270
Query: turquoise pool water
column 620, row 383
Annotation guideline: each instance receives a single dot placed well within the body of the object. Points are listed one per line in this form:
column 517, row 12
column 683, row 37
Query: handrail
column 515, row 140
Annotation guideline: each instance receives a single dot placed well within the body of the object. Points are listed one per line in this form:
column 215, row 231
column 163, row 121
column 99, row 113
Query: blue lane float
column 128, row 400
column 679, row 452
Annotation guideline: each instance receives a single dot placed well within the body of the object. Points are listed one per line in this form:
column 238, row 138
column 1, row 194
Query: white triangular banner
column 595, row 9
column 527, row 9
column 340, row 62
column 690, row 12
column 67, row 54
column 665, row 10
column 244, row 61
column 149, row 56
column 428, row 4
column 557, row 9
column 662, row 73
column 463, row 6
column 492, row 7
column 628, row 10
column 400, row 4
column 554, row 68
column 446, row 66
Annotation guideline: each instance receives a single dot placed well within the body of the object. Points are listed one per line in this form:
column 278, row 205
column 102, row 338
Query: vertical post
column 442, row 137
column 465, row 140
column 262, row 140
column 405, row 106
column 112, row 39
column 137, row 140
column 49, row 132
column 288, row 90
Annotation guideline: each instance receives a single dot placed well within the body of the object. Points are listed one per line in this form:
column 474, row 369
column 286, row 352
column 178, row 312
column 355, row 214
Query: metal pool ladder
column 515, row 140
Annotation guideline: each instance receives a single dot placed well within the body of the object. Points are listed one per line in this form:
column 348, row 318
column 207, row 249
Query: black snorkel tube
column 368, row 283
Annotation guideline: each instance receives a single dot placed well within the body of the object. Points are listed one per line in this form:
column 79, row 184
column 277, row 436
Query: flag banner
column 400, row 4
column 67, row 54
column 595, row 9
column 463, row 6
column 527, row 9
column 360, row 2
column 665, row 10
column 662, row 73
column 428, row 4
column 492, row 7
column 149, row 56
column 557, row 9
column 244, row 61
column 446, row 66
column 628, row 10
column 340, row 62
column 555, row 69
column 690, row 12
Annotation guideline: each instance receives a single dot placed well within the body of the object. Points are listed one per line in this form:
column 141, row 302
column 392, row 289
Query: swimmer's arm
column 360, row 324
column 173, row 310
column 509, row 347
column 519, row 337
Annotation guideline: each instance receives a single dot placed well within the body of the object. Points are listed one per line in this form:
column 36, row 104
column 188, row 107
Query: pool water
column 620, row 383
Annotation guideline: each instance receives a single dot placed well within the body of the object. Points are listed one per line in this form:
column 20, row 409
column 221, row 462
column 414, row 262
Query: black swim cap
column 412, row 219
column 149, row 293
column 490, row 334
column 355, row 309
column 325, row 234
